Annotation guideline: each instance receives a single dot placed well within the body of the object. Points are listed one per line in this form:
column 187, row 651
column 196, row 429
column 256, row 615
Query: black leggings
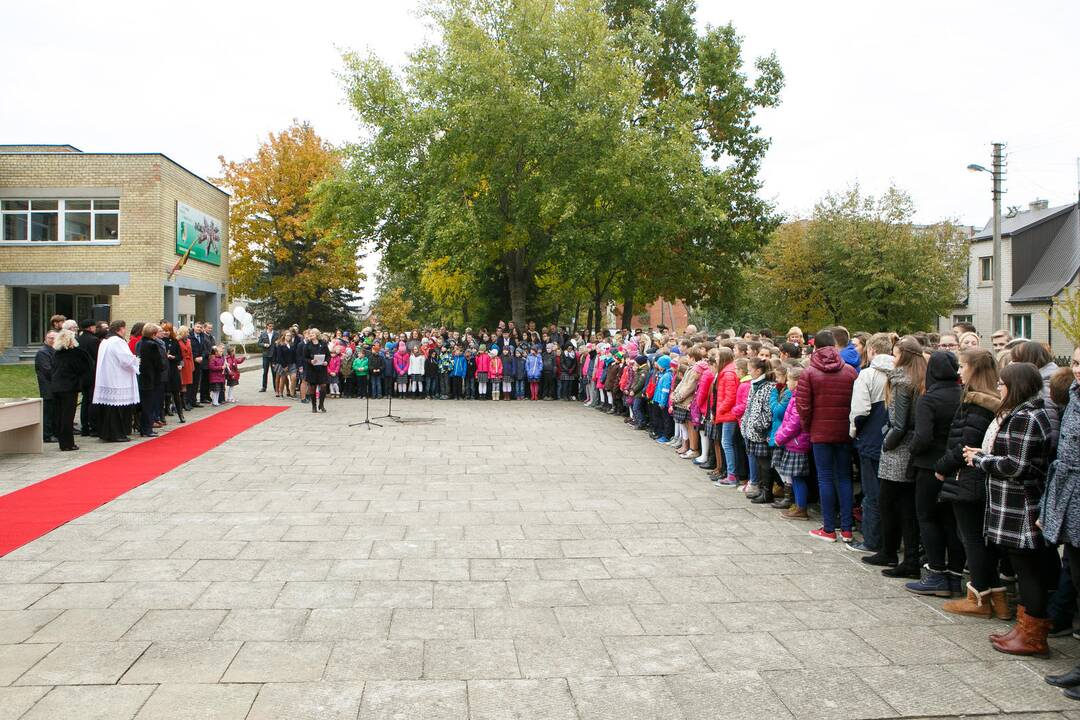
column 982, row 559
column 898, row 521
column 937, row 525
column 1036, row 577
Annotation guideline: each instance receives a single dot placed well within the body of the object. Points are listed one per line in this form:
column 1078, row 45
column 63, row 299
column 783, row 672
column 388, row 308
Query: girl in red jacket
column 724, row 425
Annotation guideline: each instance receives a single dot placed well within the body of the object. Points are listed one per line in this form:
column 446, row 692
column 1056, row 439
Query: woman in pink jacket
column 401, row 368
column 793, row 463
column 699, row 408
column 724, row 425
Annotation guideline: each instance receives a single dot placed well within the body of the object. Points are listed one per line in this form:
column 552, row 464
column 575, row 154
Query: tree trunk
column 628, row 301
column 577, row 313
column 465, row 314
column 589, row 322
column 517, row 279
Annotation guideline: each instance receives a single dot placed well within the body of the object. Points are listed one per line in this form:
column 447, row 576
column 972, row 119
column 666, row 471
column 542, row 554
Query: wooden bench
column 20, row 426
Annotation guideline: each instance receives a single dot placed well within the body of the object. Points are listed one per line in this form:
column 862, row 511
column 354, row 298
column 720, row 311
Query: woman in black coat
column 964, row 487
column 315, row 370
column 151, row 369
column 173, row 358
column 937, row 525
column 70, row 374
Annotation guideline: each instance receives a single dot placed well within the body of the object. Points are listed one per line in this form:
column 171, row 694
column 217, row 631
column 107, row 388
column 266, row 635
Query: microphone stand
column 367, row 414
column 389, row 406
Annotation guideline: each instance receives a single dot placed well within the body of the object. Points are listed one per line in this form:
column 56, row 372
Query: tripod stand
column 389, row 406
column 367, row 415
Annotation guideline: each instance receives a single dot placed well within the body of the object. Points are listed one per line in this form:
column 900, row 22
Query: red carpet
column 29, row 513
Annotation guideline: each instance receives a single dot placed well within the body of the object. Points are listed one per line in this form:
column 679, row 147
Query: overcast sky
column 907, row 93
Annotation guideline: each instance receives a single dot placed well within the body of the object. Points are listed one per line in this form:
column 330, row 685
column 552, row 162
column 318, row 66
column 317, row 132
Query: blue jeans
column 871, row 513
column 376, row 386
column 519, row 389
column 833, row 462
column 753, row 466
column 727, row 442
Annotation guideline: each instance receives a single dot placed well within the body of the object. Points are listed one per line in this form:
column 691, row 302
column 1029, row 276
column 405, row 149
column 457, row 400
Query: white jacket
column 416, row 364
column 869, row 388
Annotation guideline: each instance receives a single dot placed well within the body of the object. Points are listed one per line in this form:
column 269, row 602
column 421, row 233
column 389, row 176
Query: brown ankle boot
column 976, row 604
column 1000, row 604
column 795, row 513
column 1020, row 615
column 1030, row 638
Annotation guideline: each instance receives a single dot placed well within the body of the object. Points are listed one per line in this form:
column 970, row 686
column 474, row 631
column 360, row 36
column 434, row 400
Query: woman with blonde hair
column 71, row 371
column 187, row 364
column 968, row 340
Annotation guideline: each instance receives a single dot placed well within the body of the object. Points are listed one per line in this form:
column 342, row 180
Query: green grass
column 18, row 381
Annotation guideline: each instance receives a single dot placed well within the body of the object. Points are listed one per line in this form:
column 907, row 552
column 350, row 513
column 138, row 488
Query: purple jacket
column 791, row 435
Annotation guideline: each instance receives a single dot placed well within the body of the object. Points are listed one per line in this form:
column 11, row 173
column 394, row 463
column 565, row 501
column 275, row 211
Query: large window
column 59, row 221
column 1020, row 326
column 986, row 269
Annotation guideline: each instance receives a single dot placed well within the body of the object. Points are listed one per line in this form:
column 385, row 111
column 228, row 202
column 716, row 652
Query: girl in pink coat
column 401, row 368
column 793, row 463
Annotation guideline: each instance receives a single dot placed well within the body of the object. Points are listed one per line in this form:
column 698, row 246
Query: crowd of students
column 129, row 383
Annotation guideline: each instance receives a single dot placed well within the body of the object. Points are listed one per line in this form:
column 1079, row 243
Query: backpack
column 650, row 387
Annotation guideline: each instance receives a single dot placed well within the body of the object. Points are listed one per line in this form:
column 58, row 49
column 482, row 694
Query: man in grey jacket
column 867, row 418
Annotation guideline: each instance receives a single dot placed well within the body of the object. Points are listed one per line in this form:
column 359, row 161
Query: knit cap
column 664, row 362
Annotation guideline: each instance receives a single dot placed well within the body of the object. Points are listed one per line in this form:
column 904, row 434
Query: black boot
column 322, row 403
column 1066, row 680
column 903, row 570
column 785, row 501
column 765, row 496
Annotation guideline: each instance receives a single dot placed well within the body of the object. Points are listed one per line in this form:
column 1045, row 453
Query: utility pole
column 999, row 176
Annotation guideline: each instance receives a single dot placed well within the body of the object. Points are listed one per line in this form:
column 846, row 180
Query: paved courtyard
column 504, row 560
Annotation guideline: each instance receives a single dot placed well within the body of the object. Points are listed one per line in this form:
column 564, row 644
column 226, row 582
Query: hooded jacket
column 868, row 413
column 791, row 435
column 935, row 410
column 967, row 429
column 779, row 399
column 825, row 402
column 684, row 394
column 704, row 391
column 663, row 384
column 533, row 367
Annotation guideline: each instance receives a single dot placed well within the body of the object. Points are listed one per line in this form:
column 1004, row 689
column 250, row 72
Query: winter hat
column 641, row 360
column 493, row 351
column 664, row 362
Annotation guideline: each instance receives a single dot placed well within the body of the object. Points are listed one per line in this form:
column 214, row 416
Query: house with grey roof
column 1040, row 257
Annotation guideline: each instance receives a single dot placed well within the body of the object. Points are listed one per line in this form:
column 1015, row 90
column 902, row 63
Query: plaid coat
column 1016, row 475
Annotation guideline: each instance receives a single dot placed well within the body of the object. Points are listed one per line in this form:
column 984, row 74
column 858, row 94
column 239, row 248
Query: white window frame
column 986, row 280
column 61, row 222
column 1024, row 328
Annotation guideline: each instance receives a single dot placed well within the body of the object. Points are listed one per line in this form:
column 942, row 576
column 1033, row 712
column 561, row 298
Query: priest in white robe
column 116, row 384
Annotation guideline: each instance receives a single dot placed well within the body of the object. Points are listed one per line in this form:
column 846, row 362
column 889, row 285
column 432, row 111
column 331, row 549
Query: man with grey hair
column 43, row 368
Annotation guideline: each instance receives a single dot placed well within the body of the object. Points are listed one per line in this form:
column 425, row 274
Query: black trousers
column 65, row 418
column 898, row 520
column 88, row 412
column 148, row 403
column 204, row 386
column 268, row 367
column 547, row 385
column 455, row 387
column 937, row 525
column 48, row 418
column 115, row 422
column 982, row 559
column 1036, row 577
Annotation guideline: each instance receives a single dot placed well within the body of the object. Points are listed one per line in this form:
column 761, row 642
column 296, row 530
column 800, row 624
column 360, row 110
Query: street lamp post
column 998, row 174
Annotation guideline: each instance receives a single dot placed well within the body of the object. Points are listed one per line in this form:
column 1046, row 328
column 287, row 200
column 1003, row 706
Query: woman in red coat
column 187, row 365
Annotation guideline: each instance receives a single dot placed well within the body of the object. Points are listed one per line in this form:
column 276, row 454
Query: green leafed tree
column 862, row 262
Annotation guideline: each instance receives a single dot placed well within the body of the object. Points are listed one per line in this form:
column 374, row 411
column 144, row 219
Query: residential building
column 1040, row 257
column 135, row 232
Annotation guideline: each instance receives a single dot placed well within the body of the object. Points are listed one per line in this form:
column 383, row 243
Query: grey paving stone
column 697, row 589
column 394, row 594
column 974, row 638
column 821, row 614
column 199, row 702
column 440, row 623
column 88, row 595
column 545, row 593
column 677, row 619
column 428, row 699
column 471, row 594
column 494, row 623
column 750, row 588
column 193, row 662
column 17, row 659
column 232, row 595
column 442, row 569
column 317, row 594
column 307, row 701
column 84, row 663
column 654, row 655
column 80, row 571
column 750, row 651
column 15, row 701
column 563, row 657
column 346, row 624
column 572, row 569
column 88, row 625
column 470, row 659
column 598, row 621
column 91, row 702
column 176, row 625
column 521, row 699
column 1013, row 686
column 262, row 624
column 837, row 647
column 924, row 690
column 19, row 596
column 18, row 625
column 503, row 569
column 620, row 591
column 912, row 646
column 624, row 698
column 164, row 595
column 823, row 693
column 735, row 694
column 235, row 570
column 295, row 570
column 259, row 662
column 353, row 660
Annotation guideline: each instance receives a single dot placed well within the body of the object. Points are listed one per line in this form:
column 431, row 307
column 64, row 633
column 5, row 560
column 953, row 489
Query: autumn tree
column 861, row 261
column 1065, row 314
column 392, row 311
column 291, row 268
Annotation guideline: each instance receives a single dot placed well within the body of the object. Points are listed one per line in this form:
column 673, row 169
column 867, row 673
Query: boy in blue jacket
column 661, row 419
column 459, row 365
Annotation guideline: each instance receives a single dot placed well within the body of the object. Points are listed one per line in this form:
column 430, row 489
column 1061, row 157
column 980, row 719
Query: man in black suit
column 43, row 367
column 88, row 343
column 200, row 353
column 208, row 347
column 266, row 342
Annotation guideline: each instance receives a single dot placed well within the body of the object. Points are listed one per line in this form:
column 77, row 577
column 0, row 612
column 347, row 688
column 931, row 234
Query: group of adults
column 119, row 383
